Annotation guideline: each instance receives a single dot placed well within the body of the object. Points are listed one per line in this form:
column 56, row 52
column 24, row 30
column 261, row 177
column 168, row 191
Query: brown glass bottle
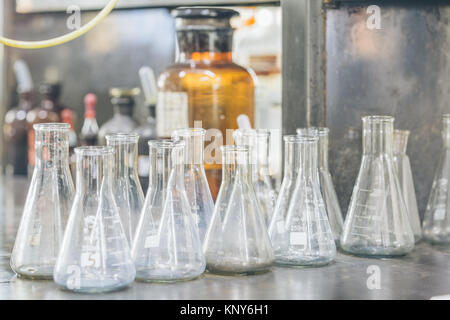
column 204, row 84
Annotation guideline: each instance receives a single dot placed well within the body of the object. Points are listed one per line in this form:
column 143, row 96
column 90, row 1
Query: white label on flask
column 143, row 166
column 298, row 238
column 171, row 112
column 152, row 241
column 439, row 214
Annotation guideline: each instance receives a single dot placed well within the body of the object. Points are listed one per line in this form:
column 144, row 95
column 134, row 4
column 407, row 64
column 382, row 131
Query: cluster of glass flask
column 104, row 235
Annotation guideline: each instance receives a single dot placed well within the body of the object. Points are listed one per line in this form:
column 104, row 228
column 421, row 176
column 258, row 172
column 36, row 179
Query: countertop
column 423, row 274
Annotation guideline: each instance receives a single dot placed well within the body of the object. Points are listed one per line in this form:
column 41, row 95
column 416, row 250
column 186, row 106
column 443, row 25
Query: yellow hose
column 62, row 39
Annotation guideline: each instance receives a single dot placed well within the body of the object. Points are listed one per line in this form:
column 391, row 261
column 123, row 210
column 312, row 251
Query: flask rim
column 188, row 132
column 165, row 144
column 378, row 118
column 231, row 148
column 122, row 137
column 51, row 126
column 300, row 138
column 94, row 150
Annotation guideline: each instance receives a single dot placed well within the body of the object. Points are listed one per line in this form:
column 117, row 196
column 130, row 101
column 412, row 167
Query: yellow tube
column 62, row 39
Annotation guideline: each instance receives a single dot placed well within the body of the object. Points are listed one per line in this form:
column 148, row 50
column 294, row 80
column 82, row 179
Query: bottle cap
column 90, row 102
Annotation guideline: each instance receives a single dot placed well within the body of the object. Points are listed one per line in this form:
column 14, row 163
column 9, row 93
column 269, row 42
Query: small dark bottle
column 89, row 131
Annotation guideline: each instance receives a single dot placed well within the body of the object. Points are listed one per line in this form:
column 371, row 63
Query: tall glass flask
column 377, row 222
column 47, row 205
column 167, row 246
column 326, row 182
column 95, row 256
column 126, row 186
column 302, row 235
column 237, row 241
column 436, row 223
column 258, row 143
column 405, row 178
column 197, row 188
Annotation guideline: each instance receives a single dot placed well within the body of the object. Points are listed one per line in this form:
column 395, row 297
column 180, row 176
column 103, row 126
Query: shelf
column 31, row 6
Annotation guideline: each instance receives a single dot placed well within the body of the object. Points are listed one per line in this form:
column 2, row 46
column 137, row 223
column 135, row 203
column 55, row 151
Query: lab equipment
column 47, row 205
column 237, row 241
column 326, row 182
column 123, row 101
column 197, row 188
column 302, row 236
column 405, row 178
column 126, row 186
column 377, row 222
column 436, row 223
column 167, row 246
column 89, row 130
column 258, row 143
column 95, row 255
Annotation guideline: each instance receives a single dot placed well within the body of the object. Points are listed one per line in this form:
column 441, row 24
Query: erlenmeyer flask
column 126, row 186
column 167, row 246
column 95, row 256
column 326, row 183
column 197, row 188
column 377, row 222
column 258, row 143
column 405, row 178
column 237, row 241
column 47, row 205
column 304, row 236
column 436, row 222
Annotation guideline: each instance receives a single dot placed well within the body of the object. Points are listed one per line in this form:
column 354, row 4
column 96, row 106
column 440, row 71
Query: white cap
column 23, row 76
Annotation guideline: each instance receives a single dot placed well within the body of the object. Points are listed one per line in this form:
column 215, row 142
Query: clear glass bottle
column 326, row 182
column 123, row 101
column 405, row 178
column 258, row 143
column 304, row 237
column 237, row 241
column 436, row 223
column 197, row 188
column 377, row 222
column 95, row 255
column 47, row 205
column 204, row 84
column 126, row 186
column 167, row 247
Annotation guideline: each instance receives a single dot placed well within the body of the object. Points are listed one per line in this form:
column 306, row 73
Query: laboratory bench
column 423, row 274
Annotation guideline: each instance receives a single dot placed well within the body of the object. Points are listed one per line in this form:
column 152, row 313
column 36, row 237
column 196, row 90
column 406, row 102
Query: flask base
column 155, row 277
column 96, row 286
column 238, row 270
column 307, row 261
column 376, row 252
column 44, row 272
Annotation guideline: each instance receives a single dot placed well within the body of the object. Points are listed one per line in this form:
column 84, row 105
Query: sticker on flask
column 151, row 241
column 297, row 238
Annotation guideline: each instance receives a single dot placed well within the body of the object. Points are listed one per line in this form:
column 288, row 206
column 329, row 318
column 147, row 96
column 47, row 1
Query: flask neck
column 94, row 169
column 160, row 166
column 446, row 131
column 308, row 155
column 323, row 151
column 400, row 141
column 378, row 135
column 291, row 160
column 125, row 158
column 194, row 142
column 52, row 149
column 207, row 46
column 236, row 164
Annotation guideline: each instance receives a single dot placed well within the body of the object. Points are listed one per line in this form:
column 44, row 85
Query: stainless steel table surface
column 420, row 275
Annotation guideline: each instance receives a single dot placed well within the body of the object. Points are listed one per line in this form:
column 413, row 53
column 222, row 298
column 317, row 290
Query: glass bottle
column 326, row 183
column 258, row 143
column 237, row 241
column 197, row 188
column 122, row 121
column 436, row 223
column 204, row 84
column 405, row 177
column 15, row 128
column 303, row 235
column 167, row 246
column 47, row 205
column 94, row 256
column 377, row 222
column 89, row 131
column 126, row 186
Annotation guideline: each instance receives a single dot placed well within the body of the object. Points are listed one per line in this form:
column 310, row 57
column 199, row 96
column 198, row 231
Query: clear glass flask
column 257, row 140
column 237, row 241
column 405, row 178
column 126, row 186
column 326, row 182
column 196, row 184
column 377, row 222
column 95, row 255
column 436, row 223
column 47, row 205
column 167, row 246
column 303, row 237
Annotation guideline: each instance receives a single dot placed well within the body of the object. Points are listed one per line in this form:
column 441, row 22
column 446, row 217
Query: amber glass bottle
column 204, row 84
